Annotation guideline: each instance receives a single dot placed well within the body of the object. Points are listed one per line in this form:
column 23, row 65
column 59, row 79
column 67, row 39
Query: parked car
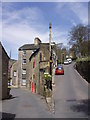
column 66, row 62
column 59, row 70
column 69, row 60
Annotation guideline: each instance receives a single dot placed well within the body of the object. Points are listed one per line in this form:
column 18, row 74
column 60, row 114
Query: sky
column 21, row 22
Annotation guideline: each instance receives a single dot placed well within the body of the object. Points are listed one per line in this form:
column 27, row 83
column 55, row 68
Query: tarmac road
column 24, row 104
column 71, row 94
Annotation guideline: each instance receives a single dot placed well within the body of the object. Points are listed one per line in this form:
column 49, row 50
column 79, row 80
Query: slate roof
column 29, row 47
column 32, row 47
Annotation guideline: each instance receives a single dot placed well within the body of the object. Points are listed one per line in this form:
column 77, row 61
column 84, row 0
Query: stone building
column 14, row 73
column 4, row 64
column 33, row 61
column 40, row 63
column 24, row 65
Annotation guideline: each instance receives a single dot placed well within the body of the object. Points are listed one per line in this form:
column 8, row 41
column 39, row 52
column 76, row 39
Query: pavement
column 25, row 104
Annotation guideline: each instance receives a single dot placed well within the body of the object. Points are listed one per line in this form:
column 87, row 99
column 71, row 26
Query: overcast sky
column 23, row 21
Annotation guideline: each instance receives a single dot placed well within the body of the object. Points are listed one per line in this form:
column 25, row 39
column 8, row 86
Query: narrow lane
column 70, row 95
column 25, row 105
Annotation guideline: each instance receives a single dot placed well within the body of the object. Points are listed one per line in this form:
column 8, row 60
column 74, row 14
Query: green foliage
column 83, row 67
column 79, row 40
column 83, row 59
column 47, row 76
column 59, row 62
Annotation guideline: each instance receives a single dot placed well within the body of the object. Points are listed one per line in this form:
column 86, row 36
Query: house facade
column 40, row 64
column 4, row 64
column 24, row 65
column 33, row 61
column 14, row 74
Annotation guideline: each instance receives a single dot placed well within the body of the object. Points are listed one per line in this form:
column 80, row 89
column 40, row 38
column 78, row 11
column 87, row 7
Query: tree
column 72, row 50
column 78, row 37
column 57, row 49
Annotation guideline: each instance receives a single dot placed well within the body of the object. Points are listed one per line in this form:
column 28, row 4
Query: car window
column 59, row 68
column 66, row 61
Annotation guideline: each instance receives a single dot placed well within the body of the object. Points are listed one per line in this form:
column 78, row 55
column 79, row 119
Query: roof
column 36, row 51
column 28, row 47
column 31, row 46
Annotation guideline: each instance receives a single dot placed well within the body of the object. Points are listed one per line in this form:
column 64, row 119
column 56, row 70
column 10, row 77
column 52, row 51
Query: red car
column 59, row 70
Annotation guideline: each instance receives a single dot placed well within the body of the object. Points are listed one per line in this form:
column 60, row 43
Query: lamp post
column 50, row 54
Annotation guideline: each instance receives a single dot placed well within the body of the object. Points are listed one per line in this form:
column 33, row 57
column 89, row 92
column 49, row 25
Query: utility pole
column 21, row 70
column 50, row 54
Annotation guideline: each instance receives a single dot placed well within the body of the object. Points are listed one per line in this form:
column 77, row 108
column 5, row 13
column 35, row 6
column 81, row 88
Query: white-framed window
column 24, row 52
column 14, row 73
column 24, row 71
column 23, row 82
column 24, row 61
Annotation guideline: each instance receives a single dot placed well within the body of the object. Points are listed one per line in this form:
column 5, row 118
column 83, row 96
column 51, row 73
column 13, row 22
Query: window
column 14, row 73
column 23, row 82
column 24, row 72
column 40, row 56
column 24, row 61
column 24, row 53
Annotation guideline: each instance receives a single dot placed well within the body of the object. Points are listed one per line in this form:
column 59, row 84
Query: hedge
column 83, row 67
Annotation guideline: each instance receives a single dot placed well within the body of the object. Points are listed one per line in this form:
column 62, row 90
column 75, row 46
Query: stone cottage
column 4, row 64
column 24, row 65
column 39, row 64
column 33, row 61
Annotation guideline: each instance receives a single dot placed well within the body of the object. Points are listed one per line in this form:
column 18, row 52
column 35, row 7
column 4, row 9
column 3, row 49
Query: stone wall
column 41, row 66
column 13, row 77
column 24, row 66
column 4, row 60
column 0, row 72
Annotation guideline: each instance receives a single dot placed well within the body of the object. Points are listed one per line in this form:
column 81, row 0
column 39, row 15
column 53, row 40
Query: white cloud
column 80, row 11
column 18, row 34
column 59, row 36
column 21, row 27
column 24, row 15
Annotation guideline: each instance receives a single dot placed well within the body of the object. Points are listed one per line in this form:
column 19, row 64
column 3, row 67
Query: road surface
column 24, row 104
column 70, row 94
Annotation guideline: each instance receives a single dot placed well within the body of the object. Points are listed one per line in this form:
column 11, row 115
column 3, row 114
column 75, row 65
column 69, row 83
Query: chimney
column 37, row 41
